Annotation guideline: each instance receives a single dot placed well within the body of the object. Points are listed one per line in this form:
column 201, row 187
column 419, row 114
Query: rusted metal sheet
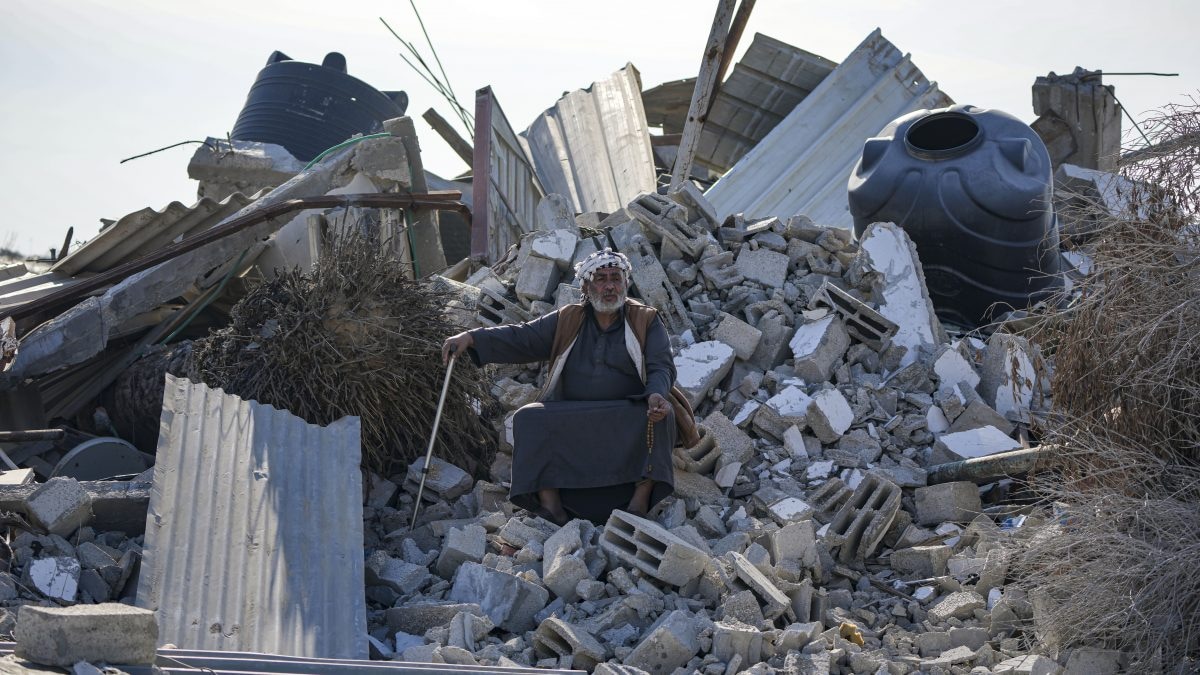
column 803, row 164
column 505, row 189
column 771, row 79
column 254, row 537
column 593, row 146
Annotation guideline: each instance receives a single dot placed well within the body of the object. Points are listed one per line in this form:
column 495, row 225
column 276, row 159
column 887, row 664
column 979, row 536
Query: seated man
column 602, row 433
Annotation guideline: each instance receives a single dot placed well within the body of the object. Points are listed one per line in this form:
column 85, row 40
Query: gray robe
column 592, row 443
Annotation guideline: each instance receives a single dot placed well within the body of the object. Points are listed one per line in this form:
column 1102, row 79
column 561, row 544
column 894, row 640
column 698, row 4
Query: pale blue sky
column 86, row 83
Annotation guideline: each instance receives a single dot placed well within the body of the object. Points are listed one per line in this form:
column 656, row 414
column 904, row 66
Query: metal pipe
column 29, row 435
column 988, row 468
column 437, row 418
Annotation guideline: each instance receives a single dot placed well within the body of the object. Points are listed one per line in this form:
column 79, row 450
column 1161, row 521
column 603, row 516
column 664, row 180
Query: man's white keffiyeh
column 600, row 259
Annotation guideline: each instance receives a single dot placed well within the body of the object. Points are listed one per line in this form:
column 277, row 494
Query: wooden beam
column 705, row 82
column 731, row 44
column 457, row 143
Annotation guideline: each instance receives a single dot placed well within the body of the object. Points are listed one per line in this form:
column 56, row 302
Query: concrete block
column 617, row 669
column 921, row 562
column 773, row 601
column 700, row 367
column 932, row 643
column 1095, row 661
column 719, row 269
column 789, row 510
column 1009, row 375
column 783, row 411
column 952, row 447
column 827, row 499
column 507, row 599
column 817, row 346
column 733, row 638
column 417, row 618
column 396, row 574
column 60, row 505
column 976, row 413
column 1030, row 664
column 794, row 541
column 766, row 267
column 855, row 449
column 557, row 245
column 668, row 220
column 655, row 288
column 862, row 323
column 445, row 482
column 669, row 644
column 956, row 502
column 700, row 458
column 904, row 298
column 950, row 367
column 647, row 546
column 773, row 348
column 959, row 605
column 96, row 557
column 109, row 633
column 555, row 212
column 55, row 577
column 537, row 279
column 467, row 544
column 829, row 415
column 564, row 574
column 382, row 158
column 861, row 523
column 518, row 532
column 699, row 208
column 971, row 637
column 738, row 334
column 557, row 638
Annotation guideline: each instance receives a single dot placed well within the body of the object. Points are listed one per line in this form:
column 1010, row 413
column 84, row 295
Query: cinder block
column 862, row 522
column 829, row 415
column 700, row 367
column 764, row 266
column 647, row 546
column 495, row 310
column 417, row 618
column 794, row 541
column 400, row 576
column 956, row 502
column 445, row 482
column 669, row 644
column 563, row 575
column 817, row 346
column 508, row 600
column 720, row 270
column 60, row 505
column 960, row 605
column 64, row 636
column 738, row 334
column 537, row 279
column 699, row 208
column 733, row 638
column 700, row 458
column 556, row 638
column 827, row 499
column 782, row 411
column 556, row 245
column 921, row 562
column 667, row 219
column 735, row 445
column 774, row 602
column 461, row 545
column 862, row 323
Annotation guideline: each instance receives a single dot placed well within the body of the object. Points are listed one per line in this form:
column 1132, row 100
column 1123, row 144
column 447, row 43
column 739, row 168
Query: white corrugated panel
column 803, row 165
column 593, row 146
column 254, row 537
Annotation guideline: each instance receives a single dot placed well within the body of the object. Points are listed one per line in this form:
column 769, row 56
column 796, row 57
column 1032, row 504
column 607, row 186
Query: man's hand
column 657, row 407
column 456, row 344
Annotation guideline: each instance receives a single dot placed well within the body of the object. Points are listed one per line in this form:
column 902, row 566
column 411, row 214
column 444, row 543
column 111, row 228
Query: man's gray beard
column 601, row 306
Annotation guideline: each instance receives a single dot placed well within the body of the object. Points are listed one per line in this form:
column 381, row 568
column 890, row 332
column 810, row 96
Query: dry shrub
column 1121, row 568
column 354, row 337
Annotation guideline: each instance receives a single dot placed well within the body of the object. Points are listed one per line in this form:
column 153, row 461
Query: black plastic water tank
column 307, row 108
column 972, row 188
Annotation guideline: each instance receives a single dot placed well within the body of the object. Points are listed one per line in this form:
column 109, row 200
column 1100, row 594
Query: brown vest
column 638, row 318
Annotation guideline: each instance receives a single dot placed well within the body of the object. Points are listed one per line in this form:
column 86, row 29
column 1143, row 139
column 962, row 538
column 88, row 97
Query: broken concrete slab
column 103, row 633
column 738, row 334
column 508, row 600
column 669, row 644
column 467, row 544
column 56, row 577
column 60, row 505
column 764, row 266
column 700, row 367
column 956, row 446
column 921, row 562
column 817, row 346
column 444, row 481
column 1009, row 377
column 904, row 298
column 957, row 605
column 829, row 415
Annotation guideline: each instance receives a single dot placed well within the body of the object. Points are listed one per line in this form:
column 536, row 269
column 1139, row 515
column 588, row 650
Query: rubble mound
column 354, row 337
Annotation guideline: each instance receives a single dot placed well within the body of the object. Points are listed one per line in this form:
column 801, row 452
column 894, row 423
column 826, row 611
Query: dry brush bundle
column 1122, row 567
column 354, row 337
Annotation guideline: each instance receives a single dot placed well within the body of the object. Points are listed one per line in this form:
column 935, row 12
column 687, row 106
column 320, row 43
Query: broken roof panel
column 593, row 146
column 254, row 531
column 770, row 80
column 147, row 230
column 505, row 190
column 802, row 166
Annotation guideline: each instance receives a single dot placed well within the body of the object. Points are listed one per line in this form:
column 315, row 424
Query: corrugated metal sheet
column 802, row 166
column 770, row 80
column 505, row 190
column 145, row 231
column 593, row 146
column 254, row 537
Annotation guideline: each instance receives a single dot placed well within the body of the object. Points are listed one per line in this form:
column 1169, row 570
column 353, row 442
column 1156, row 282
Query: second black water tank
column 972, row 188
column 307, row 108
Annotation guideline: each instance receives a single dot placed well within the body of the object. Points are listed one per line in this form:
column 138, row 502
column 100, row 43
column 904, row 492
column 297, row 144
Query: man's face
column 606, row 290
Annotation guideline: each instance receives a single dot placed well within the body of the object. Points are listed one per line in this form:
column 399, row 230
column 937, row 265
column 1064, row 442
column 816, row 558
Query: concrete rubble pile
column 804, row 535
